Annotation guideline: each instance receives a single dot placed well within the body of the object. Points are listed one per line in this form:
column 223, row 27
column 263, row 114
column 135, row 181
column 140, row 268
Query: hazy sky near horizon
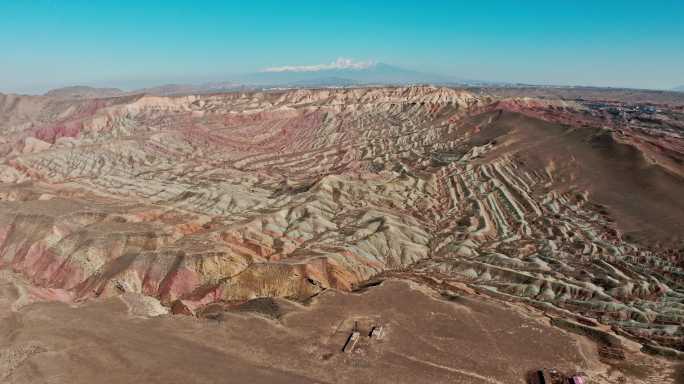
column 131, row 44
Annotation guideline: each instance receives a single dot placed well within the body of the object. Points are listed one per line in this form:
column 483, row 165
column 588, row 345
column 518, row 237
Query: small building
column 539, row 377
column 546, row 376
column 576, row 380
column 351, row 342
column 377, row 332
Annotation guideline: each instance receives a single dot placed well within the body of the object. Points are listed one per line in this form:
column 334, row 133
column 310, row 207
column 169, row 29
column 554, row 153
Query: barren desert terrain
column 240, row 237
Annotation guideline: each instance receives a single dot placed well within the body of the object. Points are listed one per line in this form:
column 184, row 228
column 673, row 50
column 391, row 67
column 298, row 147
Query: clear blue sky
column 139, row 43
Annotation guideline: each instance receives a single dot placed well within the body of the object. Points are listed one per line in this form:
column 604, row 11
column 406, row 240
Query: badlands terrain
column 198, row 237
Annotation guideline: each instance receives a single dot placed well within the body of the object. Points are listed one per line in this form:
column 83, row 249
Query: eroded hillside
column 567, row 206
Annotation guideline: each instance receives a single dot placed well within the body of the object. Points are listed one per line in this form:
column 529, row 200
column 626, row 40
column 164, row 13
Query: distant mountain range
column 337, row 74
column 83, row 92
column 375, row 73
column 179, row 89
column 340, row 73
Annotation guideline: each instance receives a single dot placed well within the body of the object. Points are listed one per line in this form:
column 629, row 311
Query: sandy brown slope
column 461, row 340
column 644, row 198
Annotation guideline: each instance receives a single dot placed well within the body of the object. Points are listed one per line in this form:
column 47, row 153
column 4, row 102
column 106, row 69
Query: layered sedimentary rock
column 228, row 197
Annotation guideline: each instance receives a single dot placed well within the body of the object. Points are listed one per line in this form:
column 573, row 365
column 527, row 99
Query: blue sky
column 132, row 44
